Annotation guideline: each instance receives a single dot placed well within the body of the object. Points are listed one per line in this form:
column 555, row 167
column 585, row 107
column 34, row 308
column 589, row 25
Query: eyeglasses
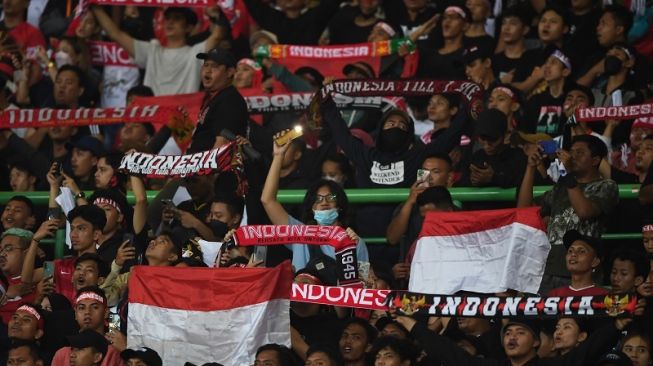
column 7, row 249
column 328, row 197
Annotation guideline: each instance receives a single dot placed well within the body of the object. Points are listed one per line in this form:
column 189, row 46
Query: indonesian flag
column 204, row 315
column 480, row 251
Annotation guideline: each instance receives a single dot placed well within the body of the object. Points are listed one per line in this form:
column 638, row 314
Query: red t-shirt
column 27, row 37
column 63, row 277
column 585, row 291
column 8, row 309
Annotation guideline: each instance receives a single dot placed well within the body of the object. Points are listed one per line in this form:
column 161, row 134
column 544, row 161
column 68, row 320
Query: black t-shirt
column 523, row 66
column 397, row 15
column 434, row 65
column 544, row 114
column 227, row 110
column 343, row 29
column 323, row 328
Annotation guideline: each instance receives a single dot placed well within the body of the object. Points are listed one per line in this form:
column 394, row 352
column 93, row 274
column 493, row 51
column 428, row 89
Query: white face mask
column 61, row 58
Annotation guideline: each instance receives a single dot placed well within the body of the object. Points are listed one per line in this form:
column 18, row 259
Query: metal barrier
column 358, row 196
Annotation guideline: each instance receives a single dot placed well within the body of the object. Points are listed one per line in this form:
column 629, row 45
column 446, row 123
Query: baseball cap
column 475, row 52
column 491, row 123
column 87, row 143
column 189, row 14
column 145, row 354
column 361, row 67
column 572, row 235
column 260, row 34
column 615, row 358
column 89, row 338
column 219, row 55
column 530, row 324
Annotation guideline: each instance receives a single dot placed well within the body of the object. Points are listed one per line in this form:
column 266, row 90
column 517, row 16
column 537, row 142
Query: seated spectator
column 90, row 270
column 325, row 203
column 27, row 36
column 356, row 341
column 580, row 200
column 496, row 163
column 18, row 213
column 118, row 213
column 507, row 99
column 352, row 24
column 107, row 175
column 476, row 33
column 321, row 355
column 478, row 65
column 91, row 311
column 27, row 324
column 392, row 351
column 274, row 354
column 24, row 353
column 85, row 154
column 225, row 214
column 569, row 333
column 446, row 62
column 143, row 356
column 545, row 108
column 515, row 62
column 441, row 110
column 337, row 168
column 629, row 270
column 584, row 254
column 637, row 346
column 22, row 177
column 86, row 225
column 409, row 15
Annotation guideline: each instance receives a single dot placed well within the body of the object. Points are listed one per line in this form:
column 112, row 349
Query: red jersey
column 27, row 37
column 63, row 277
column 585, row 291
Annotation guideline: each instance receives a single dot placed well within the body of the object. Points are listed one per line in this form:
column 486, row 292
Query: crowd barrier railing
column 358, row 196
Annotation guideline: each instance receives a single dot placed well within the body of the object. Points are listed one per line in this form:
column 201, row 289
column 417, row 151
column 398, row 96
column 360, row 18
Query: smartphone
column 48, row 269
column 114, row 321
column 128, row 237
column 549, row 147
column 422, row 177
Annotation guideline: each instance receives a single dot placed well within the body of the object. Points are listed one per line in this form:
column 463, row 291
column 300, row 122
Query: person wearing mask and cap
column 393, row 162
column 496, row 163
column 142, row 356
column 447, row 61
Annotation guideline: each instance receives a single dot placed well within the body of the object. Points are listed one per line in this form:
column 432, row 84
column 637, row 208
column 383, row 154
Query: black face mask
column 219, row 228
column 393, row 139
column 612, row 65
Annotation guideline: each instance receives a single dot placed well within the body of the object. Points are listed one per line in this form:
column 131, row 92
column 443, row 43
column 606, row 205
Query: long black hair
column 342, row 203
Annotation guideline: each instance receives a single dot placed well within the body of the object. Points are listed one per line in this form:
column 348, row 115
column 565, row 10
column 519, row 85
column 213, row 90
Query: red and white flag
column 480, row 251
column 204, row 315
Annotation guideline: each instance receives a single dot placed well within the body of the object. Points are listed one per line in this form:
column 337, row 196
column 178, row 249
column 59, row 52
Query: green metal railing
column 358, row 196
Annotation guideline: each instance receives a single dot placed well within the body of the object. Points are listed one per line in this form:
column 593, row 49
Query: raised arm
column 525, row 197
column 399, row 224
column 112, row 29
column 277, row 214
column 140, row 208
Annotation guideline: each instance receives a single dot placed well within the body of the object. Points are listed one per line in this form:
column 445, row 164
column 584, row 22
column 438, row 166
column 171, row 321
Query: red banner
column 334, row 236
column 177, row 3
column 591, row 114
column 109, row 54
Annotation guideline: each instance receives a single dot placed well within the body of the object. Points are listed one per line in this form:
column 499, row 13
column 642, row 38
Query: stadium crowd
column 538, row 62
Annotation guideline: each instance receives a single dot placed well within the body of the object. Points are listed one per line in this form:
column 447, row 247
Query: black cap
column 475, row 52
column 615, row 358
column 531, row 324
column 90, row 213
column 89, row 338
column 145, row 354
column 219, row 55
column 361, row 67
column 87, row 143
column 189, row 14
column 572, row 235
column 492, row 123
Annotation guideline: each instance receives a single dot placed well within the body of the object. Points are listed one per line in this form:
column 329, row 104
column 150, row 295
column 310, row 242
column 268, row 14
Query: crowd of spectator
column 538, row 62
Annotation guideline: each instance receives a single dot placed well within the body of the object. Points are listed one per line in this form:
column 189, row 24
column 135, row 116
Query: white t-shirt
column 169, row 70
column 116, row 81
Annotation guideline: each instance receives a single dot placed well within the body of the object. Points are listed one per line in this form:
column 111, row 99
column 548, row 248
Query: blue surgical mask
column 325, row 217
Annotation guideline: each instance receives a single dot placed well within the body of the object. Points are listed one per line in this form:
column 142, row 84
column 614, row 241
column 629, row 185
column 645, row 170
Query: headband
column 456, row 9
column 30, row 310
column 89, row 296
column 507, row 91
column 251, row 63
column 647, row 228
column 107, row 201
column 562, row 57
